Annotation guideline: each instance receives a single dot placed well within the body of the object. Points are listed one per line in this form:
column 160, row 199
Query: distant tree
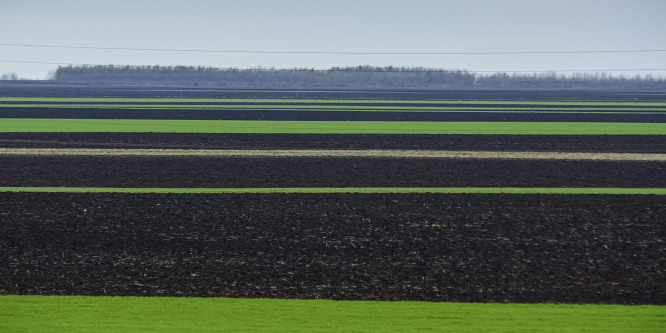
column 357, row 77
column 51, row 75
column 9, row 77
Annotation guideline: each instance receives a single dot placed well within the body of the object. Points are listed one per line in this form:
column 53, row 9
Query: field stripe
column 373, row 108
column 452, row 190
column 83, row 100
column 325, row 127
column 334, row 153
column 166, row 314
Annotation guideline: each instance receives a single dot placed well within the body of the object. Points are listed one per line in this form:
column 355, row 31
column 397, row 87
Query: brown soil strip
column 336, row 153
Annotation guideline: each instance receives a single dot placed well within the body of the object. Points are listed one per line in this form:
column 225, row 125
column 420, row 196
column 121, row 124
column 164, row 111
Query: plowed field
column 434, row 247
column 533, row 248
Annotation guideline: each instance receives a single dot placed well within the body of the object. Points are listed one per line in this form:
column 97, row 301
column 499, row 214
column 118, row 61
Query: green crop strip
column 322, row 101
column 461, row 190
column 356, row 108
column 326, row 127
column 183, row 314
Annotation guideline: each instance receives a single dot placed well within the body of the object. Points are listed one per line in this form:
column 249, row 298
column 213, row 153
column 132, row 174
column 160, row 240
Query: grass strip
column 167, row 314
column 348, row 108
column 322, row 101
column 326, row 127
column 453, row 190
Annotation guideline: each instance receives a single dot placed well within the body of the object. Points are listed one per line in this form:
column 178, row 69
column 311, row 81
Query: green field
column 357, row 108
column 166, row 314
column 326, row 127
column 320, row 101
column 488, row 190
column 343, row 107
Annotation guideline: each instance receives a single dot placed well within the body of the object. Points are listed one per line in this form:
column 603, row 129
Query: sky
column 357, row 26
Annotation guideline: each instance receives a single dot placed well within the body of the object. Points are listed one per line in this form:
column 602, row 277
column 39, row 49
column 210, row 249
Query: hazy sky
column 408, row 26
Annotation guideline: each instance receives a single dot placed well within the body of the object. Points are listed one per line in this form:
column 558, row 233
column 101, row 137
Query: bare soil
column 188, row 171
column 300, row 115
column 433, row 247
column 558, row 143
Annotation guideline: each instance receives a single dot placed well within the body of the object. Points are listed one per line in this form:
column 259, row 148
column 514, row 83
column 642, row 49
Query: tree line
column 358, row 77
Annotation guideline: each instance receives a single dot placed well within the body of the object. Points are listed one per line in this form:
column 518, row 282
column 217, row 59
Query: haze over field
column 318, row 34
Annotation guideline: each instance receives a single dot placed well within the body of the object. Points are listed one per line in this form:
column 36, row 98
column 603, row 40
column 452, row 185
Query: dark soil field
column 563, row 143
column 277, row 114
column 145, row 171
column 434, row 247
column 18, row 89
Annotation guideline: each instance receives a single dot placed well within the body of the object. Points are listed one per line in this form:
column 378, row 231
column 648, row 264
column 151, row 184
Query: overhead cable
column 329, row 52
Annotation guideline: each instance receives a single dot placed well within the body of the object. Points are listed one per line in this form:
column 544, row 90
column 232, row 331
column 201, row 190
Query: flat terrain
column 337, row 205
column 507, row 142
column 160, row 314
column 330, row 153
column 434, row 247
column 326, row 127
column 188, row 171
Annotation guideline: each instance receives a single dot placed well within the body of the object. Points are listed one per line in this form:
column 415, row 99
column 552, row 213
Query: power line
column 349, row 69
column 329, row 52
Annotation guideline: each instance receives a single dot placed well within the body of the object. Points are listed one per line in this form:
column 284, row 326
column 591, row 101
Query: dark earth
column 291, row 115
column 379, row 105
column 145, row 171
column 432, row 247
column 41, row 89
column 435, row 247
column 563, row 143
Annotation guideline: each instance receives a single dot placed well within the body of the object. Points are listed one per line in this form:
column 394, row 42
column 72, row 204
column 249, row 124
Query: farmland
column 151, row 314
column 485, row 197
